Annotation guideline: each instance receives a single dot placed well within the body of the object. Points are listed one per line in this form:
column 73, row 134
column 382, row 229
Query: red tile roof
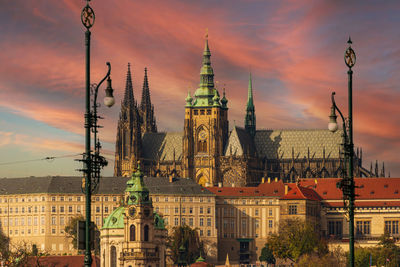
column 368, row 188
column 366, row 204
column 273, row 189
column 299, row 192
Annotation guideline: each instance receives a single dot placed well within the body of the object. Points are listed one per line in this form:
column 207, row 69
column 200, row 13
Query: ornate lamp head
column 350, row 55
column 87, row 16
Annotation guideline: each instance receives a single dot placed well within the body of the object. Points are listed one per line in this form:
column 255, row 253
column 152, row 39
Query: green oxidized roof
column 115, row 220
column 224, row 101
column 138, row 192
column 250, row 104
column 206, row 91
column 189, row 100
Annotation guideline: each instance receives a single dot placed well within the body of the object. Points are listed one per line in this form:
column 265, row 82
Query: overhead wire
column 48, row 159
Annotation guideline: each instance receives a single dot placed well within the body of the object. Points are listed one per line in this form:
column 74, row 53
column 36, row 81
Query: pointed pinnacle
column 349, row 41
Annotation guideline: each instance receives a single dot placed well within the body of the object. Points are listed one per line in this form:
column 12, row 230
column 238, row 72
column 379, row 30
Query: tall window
column 113, row 257
column 363, row 227
column 146, row 233
column 292, row 209
column 335, row 228
column 132, row 233
column 202, row 146
column 126, row 144
column 392, row 227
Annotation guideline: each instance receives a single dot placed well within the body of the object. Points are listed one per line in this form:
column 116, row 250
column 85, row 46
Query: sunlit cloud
column 293, row 50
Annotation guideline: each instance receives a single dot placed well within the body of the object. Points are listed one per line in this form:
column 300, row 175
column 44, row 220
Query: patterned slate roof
column 161, row 146
column 108, row 185
column 269, row 142
column 239, row 143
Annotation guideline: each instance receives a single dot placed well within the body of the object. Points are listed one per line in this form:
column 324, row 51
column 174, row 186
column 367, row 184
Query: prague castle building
column 208, row 152
column 233, row 221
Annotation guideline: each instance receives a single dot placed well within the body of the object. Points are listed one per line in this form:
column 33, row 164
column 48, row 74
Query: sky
column 294, row 50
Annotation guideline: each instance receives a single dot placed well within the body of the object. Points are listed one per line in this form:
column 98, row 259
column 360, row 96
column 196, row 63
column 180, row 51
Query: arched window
column 113, row 257
column 146, row 233
column 126, row 143
column 202, row 146
column 132, row 233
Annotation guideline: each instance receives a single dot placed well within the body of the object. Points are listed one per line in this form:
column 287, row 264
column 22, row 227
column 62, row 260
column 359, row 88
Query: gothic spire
column 205, row 93
column 128, row 97
column 146, row 108
column 145, row 93
column 250, row 118
column 250, row 104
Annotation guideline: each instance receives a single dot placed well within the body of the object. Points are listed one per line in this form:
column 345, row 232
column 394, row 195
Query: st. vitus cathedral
column 209, row 153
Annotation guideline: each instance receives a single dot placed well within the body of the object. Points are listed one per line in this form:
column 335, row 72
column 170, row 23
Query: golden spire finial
column 206, row 33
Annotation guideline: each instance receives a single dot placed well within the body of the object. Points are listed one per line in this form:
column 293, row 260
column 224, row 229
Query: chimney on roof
column 233, row 184
column 269, row 180
column 286, row 189
column 219, row 184
column 263, row 180
column 315, row 181
column 171, row 178
column 276, row 179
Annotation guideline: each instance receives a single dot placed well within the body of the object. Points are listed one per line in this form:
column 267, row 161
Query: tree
column 267, row 255
column 295, row 238
column 189, row 238
column 71, row 231
column 335, row 258
column 4, row 245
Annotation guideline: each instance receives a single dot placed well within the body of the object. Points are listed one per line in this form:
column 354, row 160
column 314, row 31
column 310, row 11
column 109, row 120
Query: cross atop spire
column 128, row 96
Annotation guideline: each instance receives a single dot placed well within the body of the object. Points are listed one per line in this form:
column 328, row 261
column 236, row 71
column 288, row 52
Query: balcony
column 143, row 254
column 358, row 237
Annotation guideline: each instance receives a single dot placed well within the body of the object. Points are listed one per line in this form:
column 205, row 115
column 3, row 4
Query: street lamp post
column 93, row 162
column 347, row 183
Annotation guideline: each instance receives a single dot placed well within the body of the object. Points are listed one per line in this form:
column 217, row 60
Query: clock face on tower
column 132, row 211
column 202, row 135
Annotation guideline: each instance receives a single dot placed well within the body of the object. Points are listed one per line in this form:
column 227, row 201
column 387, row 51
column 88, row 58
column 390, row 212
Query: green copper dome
column 224, row 101
column 189, row 100
column 115, row 220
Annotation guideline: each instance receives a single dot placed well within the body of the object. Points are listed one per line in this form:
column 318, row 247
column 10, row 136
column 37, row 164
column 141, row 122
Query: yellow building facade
column 233, row 221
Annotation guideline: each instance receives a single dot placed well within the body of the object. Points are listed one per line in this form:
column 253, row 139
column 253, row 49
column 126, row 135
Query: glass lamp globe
column 332, row 126
column 109, row 101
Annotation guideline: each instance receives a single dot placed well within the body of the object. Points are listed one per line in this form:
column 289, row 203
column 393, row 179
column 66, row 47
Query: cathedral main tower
column 205, row 128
